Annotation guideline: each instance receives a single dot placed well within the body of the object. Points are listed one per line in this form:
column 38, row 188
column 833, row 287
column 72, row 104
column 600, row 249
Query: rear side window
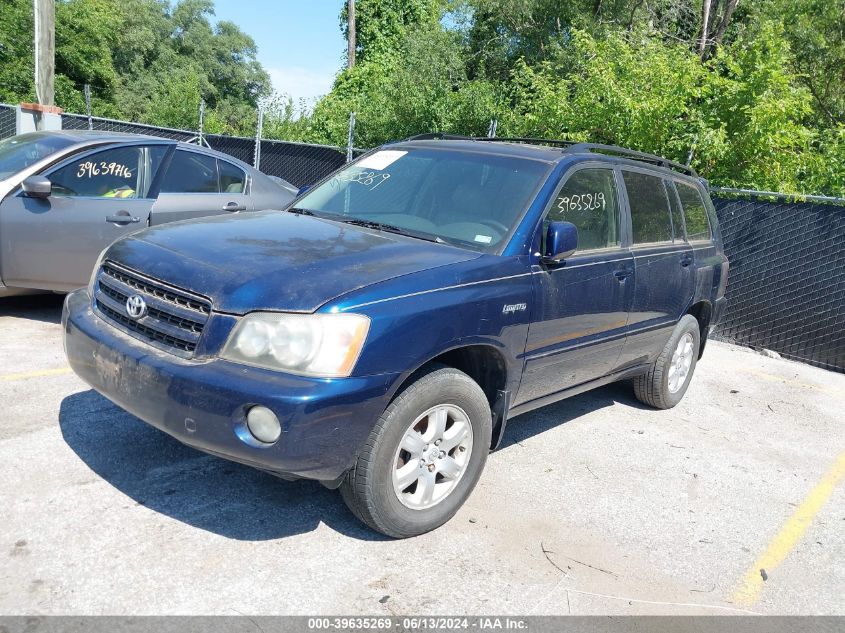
column 190, row 172
column 698, row 228
column 232, row 179
column 650, row 216
column 589, row 200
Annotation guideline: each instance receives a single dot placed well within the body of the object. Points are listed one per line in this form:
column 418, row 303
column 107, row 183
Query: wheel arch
column 486, row 364
column 703, row 313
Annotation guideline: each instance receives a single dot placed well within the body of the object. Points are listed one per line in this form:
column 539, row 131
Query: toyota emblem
column 136, row 307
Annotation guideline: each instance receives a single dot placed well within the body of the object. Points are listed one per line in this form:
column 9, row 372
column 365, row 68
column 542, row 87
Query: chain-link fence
column 786, row 286
column 80, row 122
column 298, row 163
column 8, row 121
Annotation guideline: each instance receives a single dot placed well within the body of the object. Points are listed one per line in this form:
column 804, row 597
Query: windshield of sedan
column 472, row 200
column 19, row 152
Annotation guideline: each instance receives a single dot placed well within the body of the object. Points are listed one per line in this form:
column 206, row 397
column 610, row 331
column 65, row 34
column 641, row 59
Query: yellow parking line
column 57, row 371
column 779, row 548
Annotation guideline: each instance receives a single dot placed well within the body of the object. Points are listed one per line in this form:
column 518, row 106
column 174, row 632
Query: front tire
column 423, row 457
column 669, row 376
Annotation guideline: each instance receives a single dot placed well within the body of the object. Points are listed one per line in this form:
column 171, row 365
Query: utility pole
column 44, row 12
column 350, row 25
column 705, row 28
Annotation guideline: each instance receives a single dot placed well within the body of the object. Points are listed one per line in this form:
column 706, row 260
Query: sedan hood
column 275, row 260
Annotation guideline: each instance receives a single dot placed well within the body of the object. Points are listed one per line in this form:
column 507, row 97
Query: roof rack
column 569, row 147
column 615, row 150
column 503, row 139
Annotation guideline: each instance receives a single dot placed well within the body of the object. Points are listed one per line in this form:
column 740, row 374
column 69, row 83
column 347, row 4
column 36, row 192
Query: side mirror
column 302, row 190
column 561, row 241
column 37, row 187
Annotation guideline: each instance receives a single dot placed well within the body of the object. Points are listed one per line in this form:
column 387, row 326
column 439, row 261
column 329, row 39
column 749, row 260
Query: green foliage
column 816, row 32
column 144, row 59
column 381, row 25
column 16, row 61
column 613, row 71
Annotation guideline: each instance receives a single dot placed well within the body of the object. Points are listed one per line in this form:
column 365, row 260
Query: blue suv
column 378, row 334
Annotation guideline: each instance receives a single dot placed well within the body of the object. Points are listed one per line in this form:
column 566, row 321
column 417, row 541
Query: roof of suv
column 518, row 150
column 555, row 151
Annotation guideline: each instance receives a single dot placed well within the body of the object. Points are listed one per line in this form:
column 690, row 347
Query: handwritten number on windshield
column 368, row 179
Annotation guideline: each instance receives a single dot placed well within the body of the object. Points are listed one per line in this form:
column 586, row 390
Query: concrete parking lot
column 596, row 505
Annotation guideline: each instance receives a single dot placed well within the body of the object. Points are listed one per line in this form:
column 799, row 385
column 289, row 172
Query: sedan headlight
column 326, row 345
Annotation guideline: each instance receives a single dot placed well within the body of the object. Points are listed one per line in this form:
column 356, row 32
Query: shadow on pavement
column 540, row 420
column 46, row 308
column 201, row 490
column 233, row 500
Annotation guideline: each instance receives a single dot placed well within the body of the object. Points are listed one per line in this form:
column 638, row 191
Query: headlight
column 326, row 345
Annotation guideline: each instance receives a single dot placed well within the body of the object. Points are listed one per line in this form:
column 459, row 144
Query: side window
column 232, row 179
column 589, row 200
column 113, row 173
column 190, row 172
column 650, row 219
column 698, row 228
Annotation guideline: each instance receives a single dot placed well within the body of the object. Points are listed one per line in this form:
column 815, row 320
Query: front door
column 663, row 260
column 198, row 185
column 581, row 306
column 98, row 197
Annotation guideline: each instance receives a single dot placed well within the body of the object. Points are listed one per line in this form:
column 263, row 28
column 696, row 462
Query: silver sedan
column 66, row 195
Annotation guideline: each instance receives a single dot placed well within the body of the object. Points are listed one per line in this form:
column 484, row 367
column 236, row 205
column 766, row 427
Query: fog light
column 263, row 424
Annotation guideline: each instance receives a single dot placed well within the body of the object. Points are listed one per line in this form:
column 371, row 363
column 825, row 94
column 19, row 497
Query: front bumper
column 202, row 403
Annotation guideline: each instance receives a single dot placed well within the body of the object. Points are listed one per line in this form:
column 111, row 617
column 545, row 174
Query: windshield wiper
column 299, row 211
column 390, row 228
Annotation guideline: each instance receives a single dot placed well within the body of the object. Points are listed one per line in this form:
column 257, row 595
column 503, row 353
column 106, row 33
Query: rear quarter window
column 695, row 212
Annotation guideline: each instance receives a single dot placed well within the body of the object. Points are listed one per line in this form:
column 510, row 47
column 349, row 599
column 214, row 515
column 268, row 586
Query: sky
column 299, row 41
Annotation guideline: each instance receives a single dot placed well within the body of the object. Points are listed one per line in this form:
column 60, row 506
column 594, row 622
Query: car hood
column 275, row 260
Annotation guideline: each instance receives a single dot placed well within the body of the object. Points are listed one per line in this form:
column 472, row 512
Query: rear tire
column 667, row 380
column 402, row 484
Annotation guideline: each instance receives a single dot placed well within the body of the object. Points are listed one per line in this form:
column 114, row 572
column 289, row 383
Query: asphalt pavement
column 595, row 505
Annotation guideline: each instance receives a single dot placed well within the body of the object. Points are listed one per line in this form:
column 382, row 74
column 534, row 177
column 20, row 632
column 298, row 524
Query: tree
column 16, row 62
column 130, row 52
column 816, row 32
column 381, row 25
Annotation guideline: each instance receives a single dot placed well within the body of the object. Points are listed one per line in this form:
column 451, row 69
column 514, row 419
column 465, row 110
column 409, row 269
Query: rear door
column 663, row 263
column 97, row 197
column 581, row 306
column 197, row 185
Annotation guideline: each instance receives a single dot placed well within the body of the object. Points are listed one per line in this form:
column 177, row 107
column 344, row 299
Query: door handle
column 686, row 260
column 234, row 206
column 623, row 274
column 122, row 219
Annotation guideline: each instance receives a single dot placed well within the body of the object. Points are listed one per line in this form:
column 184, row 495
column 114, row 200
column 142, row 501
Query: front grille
column 174, row 318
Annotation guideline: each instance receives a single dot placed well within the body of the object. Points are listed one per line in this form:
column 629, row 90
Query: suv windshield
column 468, row 199
column 19, row 152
